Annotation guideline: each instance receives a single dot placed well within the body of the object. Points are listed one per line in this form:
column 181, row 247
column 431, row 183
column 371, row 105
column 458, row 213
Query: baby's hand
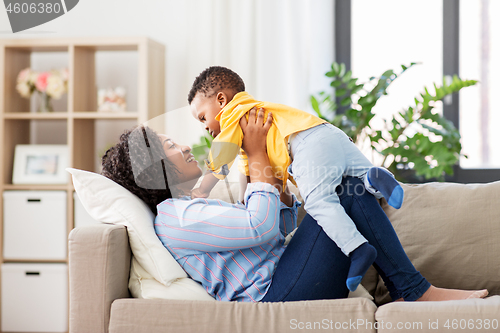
column 198, row 193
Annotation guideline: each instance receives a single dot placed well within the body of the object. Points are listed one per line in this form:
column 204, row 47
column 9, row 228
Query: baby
column 309, row 151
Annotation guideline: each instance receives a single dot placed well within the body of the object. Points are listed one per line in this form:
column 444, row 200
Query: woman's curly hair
column 138, row 163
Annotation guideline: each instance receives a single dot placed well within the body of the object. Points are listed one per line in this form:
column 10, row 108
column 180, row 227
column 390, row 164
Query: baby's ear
column 222, row 99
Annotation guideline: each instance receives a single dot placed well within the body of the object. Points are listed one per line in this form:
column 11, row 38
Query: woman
column 237, row 252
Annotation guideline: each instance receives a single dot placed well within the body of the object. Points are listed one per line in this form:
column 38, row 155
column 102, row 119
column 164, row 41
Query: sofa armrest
column 99, row 267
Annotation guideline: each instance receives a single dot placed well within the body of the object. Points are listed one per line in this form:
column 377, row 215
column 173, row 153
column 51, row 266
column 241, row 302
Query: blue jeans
column 313, row 267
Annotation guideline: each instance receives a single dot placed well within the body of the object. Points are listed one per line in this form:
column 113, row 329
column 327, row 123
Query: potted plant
column 417, row 140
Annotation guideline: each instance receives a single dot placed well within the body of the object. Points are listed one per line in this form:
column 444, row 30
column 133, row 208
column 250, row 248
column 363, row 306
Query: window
column 449, row 37
column 388, row 33
column 479, row 114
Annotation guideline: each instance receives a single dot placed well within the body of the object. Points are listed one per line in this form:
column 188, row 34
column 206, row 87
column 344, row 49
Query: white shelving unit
column 77, row 124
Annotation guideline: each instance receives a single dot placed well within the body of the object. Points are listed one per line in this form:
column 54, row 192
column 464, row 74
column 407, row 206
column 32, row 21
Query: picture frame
column 40, row 164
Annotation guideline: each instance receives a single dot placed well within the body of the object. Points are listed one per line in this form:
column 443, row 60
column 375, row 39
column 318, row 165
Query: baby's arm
column 207, row 184
column 286, row 197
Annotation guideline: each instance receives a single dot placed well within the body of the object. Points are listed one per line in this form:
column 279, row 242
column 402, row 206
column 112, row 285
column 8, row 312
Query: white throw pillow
column 153, row 267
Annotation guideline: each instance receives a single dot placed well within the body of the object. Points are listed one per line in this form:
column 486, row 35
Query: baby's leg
column 384, row 182
column 378, row 181
column 361, row 259
column 318, row 166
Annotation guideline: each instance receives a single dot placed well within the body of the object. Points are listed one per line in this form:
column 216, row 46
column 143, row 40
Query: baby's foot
column 383, row 181
column 361, row 259
column 442, row 294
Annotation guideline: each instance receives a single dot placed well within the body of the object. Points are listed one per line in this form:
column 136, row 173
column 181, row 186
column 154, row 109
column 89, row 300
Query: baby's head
column 211, row 91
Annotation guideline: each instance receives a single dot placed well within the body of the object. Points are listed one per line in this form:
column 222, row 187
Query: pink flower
column 41, row 81
column 24, row 76
column 64, row 74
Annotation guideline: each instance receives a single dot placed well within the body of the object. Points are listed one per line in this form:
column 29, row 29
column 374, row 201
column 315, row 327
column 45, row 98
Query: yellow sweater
column 286, row 121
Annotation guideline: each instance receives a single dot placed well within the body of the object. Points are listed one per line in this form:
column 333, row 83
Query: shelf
column 105, row 115
column 37, row 187
column 135, row 63
column 66, row 115
column 36, row 261
column 116, row 43
column 35, row 115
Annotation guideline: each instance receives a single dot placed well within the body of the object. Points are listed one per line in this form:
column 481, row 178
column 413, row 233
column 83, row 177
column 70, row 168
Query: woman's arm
column 254, row 144
column 208, row 225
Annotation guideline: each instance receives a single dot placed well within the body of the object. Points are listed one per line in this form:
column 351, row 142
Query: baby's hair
column 213, row 80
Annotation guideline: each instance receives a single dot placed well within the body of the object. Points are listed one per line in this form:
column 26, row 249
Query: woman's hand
column 255, row 131
column 254, row 144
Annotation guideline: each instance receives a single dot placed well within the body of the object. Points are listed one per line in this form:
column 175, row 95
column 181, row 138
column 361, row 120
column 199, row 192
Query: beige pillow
column 451, row 234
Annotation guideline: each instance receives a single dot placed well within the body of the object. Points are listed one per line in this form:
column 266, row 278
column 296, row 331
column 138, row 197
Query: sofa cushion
column 109, row 202
column 472, row 315
column 155, row 316
column 450, row 232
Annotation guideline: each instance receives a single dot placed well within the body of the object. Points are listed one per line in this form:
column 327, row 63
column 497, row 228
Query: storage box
column 34, row 297
column 80, row 213
column 35, row 225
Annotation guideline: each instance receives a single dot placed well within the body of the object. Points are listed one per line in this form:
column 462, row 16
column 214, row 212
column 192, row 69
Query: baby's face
column 205, row 109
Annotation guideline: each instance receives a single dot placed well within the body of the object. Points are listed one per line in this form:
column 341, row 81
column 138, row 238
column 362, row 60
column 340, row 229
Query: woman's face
column 188, row 170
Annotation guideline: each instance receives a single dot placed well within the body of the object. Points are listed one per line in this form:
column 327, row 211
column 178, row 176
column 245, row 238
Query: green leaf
column 357, row 88
column 351, row 84
column 335, row 68
column 368, row 99
column 340, row 92
column 208, row 142
column 342, row 69
column 388, row 73
column 347, row 77
column 336, row 84
column 346, row 101
column 377, row 136
column 315, row 105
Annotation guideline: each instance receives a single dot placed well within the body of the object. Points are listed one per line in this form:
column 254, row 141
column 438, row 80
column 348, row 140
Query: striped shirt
column 231, row 249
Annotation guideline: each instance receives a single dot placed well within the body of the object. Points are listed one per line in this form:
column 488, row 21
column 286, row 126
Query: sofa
column 450, row 232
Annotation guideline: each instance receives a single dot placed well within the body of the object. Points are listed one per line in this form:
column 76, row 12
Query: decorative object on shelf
column 40, row 164
column 48, row 85
column 416, row 144
column 111, row 99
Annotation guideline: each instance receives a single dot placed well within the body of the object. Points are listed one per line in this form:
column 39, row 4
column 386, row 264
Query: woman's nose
column 186, row 149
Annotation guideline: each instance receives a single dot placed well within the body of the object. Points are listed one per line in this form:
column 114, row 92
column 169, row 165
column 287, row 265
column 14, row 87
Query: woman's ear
column 221, row 99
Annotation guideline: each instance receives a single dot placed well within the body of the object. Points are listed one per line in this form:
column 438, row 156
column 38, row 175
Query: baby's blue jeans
column 313, row 266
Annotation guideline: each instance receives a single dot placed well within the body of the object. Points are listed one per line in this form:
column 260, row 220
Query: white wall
column 281, row 48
